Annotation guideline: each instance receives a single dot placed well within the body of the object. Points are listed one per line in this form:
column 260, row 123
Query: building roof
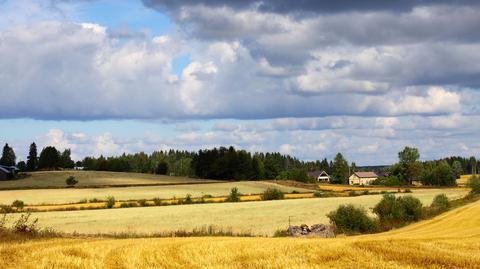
column 6, row 171
column 317, row 173
column 365, row 174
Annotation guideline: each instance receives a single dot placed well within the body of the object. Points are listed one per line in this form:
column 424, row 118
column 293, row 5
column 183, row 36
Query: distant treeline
column 232, row 164
column 217, row 163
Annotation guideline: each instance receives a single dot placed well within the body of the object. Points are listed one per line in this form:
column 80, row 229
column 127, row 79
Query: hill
column 451, row 240
column 56, row 179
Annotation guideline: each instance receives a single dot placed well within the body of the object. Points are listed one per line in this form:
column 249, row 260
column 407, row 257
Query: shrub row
column 390, row 212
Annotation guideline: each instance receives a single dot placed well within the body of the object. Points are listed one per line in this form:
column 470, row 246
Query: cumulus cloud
column 314, row 77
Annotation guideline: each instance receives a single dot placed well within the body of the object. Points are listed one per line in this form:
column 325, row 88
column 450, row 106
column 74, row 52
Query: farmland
column 451, row 240
column 262, row 218
column 72, row 195
column 56, row 179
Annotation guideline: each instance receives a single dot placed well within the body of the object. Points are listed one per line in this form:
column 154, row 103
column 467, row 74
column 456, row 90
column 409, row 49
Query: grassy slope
column 451, row 240
column 258, row 217
column 57, row 179
column 59, row 196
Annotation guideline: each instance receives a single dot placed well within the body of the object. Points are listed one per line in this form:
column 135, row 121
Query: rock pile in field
column 316, row 230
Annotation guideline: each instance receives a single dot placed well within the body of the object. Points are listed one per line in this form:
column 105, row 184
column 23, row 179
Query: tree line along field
column 74, row 195
column 260, row 218
column 56, row 179
column 450, row 240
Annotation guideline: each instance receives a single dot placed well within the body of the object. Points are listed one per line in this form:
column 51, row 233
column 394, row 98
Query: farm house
column 7, row 172
column 321, row 176
column 362, row 178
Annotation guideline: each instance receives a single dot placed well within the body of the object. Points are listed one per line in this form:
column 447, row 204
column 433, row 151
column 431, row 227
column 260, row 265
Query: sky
column 307, row 78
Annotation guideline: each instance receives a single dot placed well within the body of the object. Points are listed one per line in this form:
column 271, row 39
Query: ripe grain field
column 73, row 195
column 451, row 240
column 262, row 217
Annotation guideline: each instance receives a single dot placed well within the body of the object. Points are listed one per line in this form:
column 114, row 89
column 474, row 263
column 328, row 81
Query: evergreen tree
column 32, row 159
column 8, row 156
column 340, row 169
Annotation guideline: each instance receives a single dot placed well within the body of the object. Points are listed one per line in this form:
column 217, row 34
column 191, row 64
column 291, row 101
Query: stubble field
column 451, row 240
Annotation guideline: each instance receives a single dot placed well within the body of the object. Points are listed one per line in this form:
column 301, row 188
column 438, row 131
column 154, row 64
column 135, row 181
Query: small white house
column 320, row 176
column 362, row 178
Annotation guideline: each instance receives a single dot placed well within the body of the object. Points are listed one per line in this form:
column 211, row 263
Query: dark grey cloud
column 309, row 6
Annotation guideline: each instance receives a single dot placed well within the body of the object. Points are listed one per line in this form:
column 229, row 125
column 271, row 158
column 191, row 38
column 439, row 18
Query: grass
column 56, row 179
column 451, row 240
column 261, row 218
column 74, row 195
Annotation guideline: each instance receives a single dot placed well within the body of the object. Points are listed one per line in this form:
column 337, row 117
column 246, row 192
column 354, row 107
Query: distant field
column 72, row 195
column 257, row 217
column 56, row 179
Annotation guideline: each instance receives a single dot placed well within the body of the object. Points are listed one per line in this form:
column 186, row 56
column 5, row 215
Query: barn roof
column 365, row 174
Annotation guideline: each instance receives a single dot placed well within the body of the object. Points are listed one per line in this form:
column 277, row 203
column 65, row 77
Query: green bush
column 142, row 202
column 350, row 219
column 272, row 194
column 71, row 181
column 234, row 195
column 295, row 192
column 366, row 192
column 157, row 201
column 124, row 205
column 4, row 209
column 474, row 184
column 352, row 193
column 18, row 204
column 407, row 190
column 110, row 203
column 393, row 210
column 188, row 199
column 317, row 194
column 440, row 203
column 390, row 181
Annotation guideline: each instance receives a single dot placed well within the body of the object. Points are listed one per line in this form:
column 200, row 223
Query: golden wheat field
column 451, row 240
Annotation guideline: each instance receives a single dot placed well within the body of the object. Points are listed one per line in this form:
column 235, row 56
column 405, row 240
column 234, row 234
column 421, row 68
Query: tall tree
column 49, row 158
column 473, row 163
column 353, row 167
column 340, row 169
column 8, row 156
column 457, row 169
column 411, row 168
column 32, row 159
column 65, row 159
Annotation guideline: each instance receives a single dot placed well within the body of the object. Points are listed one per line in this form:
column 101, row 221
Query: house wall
column 355, row 180
column 3, row 175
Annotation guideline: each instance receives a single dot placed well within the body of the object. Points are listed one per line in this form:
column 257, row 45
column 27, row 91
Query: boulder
column 316, row 230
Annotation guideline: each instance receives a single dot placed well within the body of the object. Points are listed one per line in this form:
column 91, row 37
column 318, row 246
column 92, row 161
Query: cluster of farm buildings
column 357, row 178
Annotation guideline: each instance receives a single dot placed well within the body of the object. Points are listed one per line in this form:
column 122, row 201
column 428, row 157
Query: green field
column 73, row 195
column 56, row 179
column 257, row 217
